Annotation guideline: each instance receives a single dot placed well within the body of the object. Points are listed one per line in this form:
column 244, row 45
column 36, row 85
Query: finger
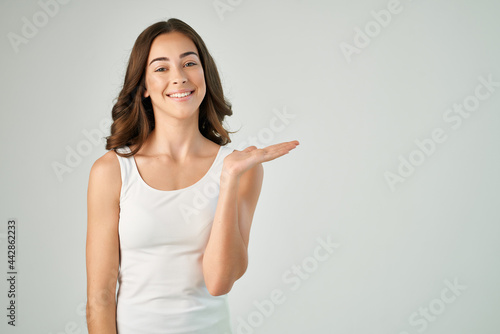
column 269, row 154
column 289, row 145
column 282, row 147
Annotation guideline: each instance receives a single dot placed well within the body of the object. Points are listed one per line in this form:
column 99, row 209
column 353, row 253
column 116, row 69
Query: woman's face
column 174, row 70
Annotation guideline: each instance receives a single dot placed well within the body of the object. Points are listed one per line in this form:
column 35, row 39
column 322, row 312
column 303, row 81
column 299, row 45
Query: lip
column 180, row 92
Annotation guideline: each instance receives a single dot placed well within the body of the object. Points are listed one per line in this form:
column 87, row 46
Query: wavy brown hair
column 133, row 117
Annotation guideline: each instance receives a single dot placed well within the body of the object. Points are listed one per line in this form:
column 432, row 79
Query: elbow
column 220, row 286
column 218, row 292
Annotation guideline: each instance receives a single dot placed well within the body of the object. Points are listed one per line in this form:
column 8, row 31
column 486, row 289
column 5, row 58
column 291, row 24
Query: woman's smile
column 181, row 95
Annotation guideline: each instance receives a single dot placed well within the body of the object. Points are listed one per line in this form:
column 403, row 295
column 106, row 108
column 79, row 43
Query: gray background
column 356, row 117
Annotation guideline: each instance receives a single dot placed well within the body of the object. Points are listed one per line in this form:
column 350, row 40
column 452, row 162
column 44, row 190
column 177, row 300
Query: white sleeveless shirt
column 163, row 235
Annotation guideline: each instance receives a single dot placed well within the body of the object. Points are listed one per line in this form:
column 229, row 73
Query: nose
column 178, row 75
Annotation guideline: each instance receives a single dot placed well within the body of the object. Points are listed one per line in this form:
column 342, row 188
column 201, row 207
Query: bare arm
column 226, row 255
column 102, row 248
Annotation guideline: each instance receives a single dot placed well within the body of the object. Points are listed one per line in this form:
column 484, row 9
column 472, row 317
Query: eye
column 160, row 68
column 191, row 62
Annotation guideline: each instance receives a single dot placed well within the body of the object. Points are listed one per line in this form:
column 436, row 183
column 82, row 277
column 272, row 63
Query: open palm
column 238, row 162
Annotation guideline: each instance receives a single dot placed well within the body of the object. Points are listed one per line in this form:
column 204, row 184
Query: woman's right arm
column 102, row 248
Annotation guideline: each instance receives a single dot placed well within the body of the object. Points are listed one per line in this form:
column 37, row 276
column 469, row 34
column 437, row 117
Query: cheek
column 155, row 83
column 200, row 78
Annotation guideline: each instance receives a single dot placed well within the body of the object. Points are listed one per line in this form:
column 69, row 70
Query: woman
column 170, row 206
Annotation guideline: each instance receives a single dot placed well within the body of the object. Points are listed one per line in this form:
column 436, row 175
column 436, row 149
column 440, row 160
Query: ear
column 146, row 93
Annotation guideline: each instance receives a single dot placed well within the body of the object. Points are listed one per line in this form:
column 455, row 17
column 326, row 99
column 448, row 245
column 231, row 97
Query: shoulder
column 105, row 172
column 255, row 173
column 106, row 164
column 251, row 181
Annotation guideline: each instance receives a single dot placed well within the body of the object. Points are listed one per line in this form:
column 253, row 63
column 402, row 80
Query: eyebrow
column 185, row 54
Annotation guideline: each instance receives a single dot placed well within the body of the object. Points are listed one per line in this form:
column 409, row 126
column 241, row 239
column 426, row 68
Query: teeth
column 180, row 94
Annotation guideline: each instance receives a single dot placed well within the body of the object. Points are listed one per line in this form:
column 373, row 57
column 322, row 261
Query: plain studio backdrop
column 384, row 220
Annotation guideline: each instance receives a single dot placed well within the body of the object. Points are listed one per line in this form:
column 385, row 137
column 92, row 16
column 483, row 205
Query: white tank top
column 163, row 235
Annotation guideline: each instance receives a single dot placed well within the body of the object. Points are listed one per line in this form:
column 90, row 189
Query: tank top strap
column 126, row 169
column 216, row 169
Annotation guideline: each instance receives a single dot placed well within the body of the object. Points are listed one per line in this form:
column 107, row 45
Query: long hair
column 133, row 117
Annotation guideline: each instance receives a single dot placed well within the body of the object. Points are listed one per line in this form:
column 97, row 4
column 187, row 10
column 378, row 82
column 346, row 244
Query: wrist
column 228, row 179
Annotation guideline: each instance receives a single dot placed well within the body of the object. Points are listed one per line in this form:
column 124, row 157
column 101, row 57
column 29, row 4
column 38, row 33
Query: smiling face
column 174, row 76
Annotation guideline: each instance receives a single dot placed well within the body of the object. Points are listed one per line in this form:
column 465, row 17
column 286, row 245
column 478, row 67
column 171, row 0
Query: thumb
column 250, row 149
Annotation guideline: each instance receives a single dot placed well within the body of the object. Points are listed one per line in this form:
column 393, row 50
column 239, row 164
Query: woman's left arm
column 226, row 255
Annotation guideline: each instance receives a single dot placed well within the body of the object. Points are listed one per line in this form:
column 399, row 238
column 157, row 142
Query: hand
column 238, row 162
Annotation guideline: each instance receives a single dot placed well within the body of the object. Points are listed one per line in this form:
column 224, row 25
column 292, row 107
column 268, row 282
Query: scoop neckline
column 176, row 190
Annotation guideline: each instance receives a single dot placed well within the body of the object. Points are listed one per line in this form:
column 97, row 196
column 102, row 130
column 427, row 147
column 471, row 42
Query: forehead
column 171, row 45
